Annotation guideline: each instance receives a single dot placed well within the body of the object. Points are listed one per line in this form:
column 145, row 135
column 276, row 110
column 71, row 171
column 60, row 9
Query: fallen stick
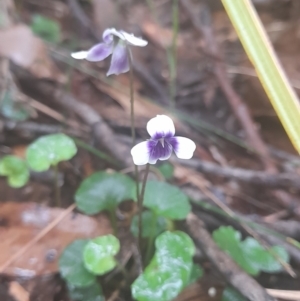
column 283, row 294
column 282, row 180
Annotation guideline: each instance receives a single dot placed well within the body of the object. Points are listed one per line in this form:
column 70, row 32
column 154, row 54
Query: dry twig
column 282, row 180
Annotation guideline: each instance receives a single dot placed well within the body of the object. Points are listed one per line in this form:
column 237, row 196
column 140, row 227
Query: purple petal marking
column 159, row 150
column 173, row 141
column 119, row 61
column 99, row 52
column 158, row 136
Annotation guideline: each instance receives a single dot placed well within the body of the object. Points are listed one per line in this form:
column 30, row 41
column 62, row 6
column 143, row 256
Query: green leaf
column 176, row 244
column 15, row 169
column 249, row 254
column 228, row 239
column 196, row 274
column 148, row 218
column 167, row 170
column 103, row 191
column 166, row 200
column 49, row 150
column 262, row 259
column 12, row 110
column 46, row 28
column 230, row 294
column 89, row 293
column 71, row 265
column 169, row 271
column 98, row 254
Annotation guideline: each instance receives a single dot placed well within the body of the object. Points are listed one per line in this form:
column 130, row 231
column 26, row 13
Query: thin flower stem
column 140, row 204
column 136, row 171
column 56, row 187
column 151, row 239
column 131, row 95
column 172, row 52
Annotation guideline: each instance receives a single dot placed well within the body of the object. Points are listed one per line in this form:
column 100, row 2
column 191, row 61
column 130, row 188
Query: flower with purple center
column 115, row 42
column 162, row 143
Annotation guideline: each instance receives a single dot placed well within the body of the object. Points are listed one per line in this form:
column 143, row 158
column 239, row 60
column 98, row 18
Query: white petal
column 161, row 124
column 107, row 35
column 184, row 147
column 140, row 153
column 130, row 38
column 79, row 55
column 152, row 161
column 113, row 31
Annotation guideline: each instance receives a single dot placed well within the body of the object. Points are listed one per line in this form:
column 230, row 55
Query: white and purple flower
column 115, row 43
column 162, row 143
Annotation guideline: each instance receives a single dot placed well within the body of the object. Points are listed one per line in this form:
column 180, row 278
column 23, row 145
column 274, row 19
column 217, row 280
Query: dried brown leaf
column 21, row 222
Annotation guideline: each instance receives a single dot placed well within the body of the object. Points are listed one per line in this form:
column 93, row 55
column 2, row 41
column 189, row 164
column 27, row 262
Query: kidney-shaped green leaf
column 166, row 200
column 89, row 293
column 98, row 255
column 169, row 271
column 103, row 191
column 49, row 150
column 15, row 169
column 167, row 170
column 249, row 254
column 71, row 265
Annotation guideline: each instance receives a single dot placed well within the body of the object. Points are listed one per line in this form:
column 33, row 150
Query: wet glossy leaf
column 167, row 170
column 89, row 293
column 46, row 28
column 249, row 254
column 169, row 271
column 166, row 200
column 103, row 191
column 230, row 294
column 98, row 254
column 49, row 150
column 71, row 265
column 150, row 226
column 15, row 169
